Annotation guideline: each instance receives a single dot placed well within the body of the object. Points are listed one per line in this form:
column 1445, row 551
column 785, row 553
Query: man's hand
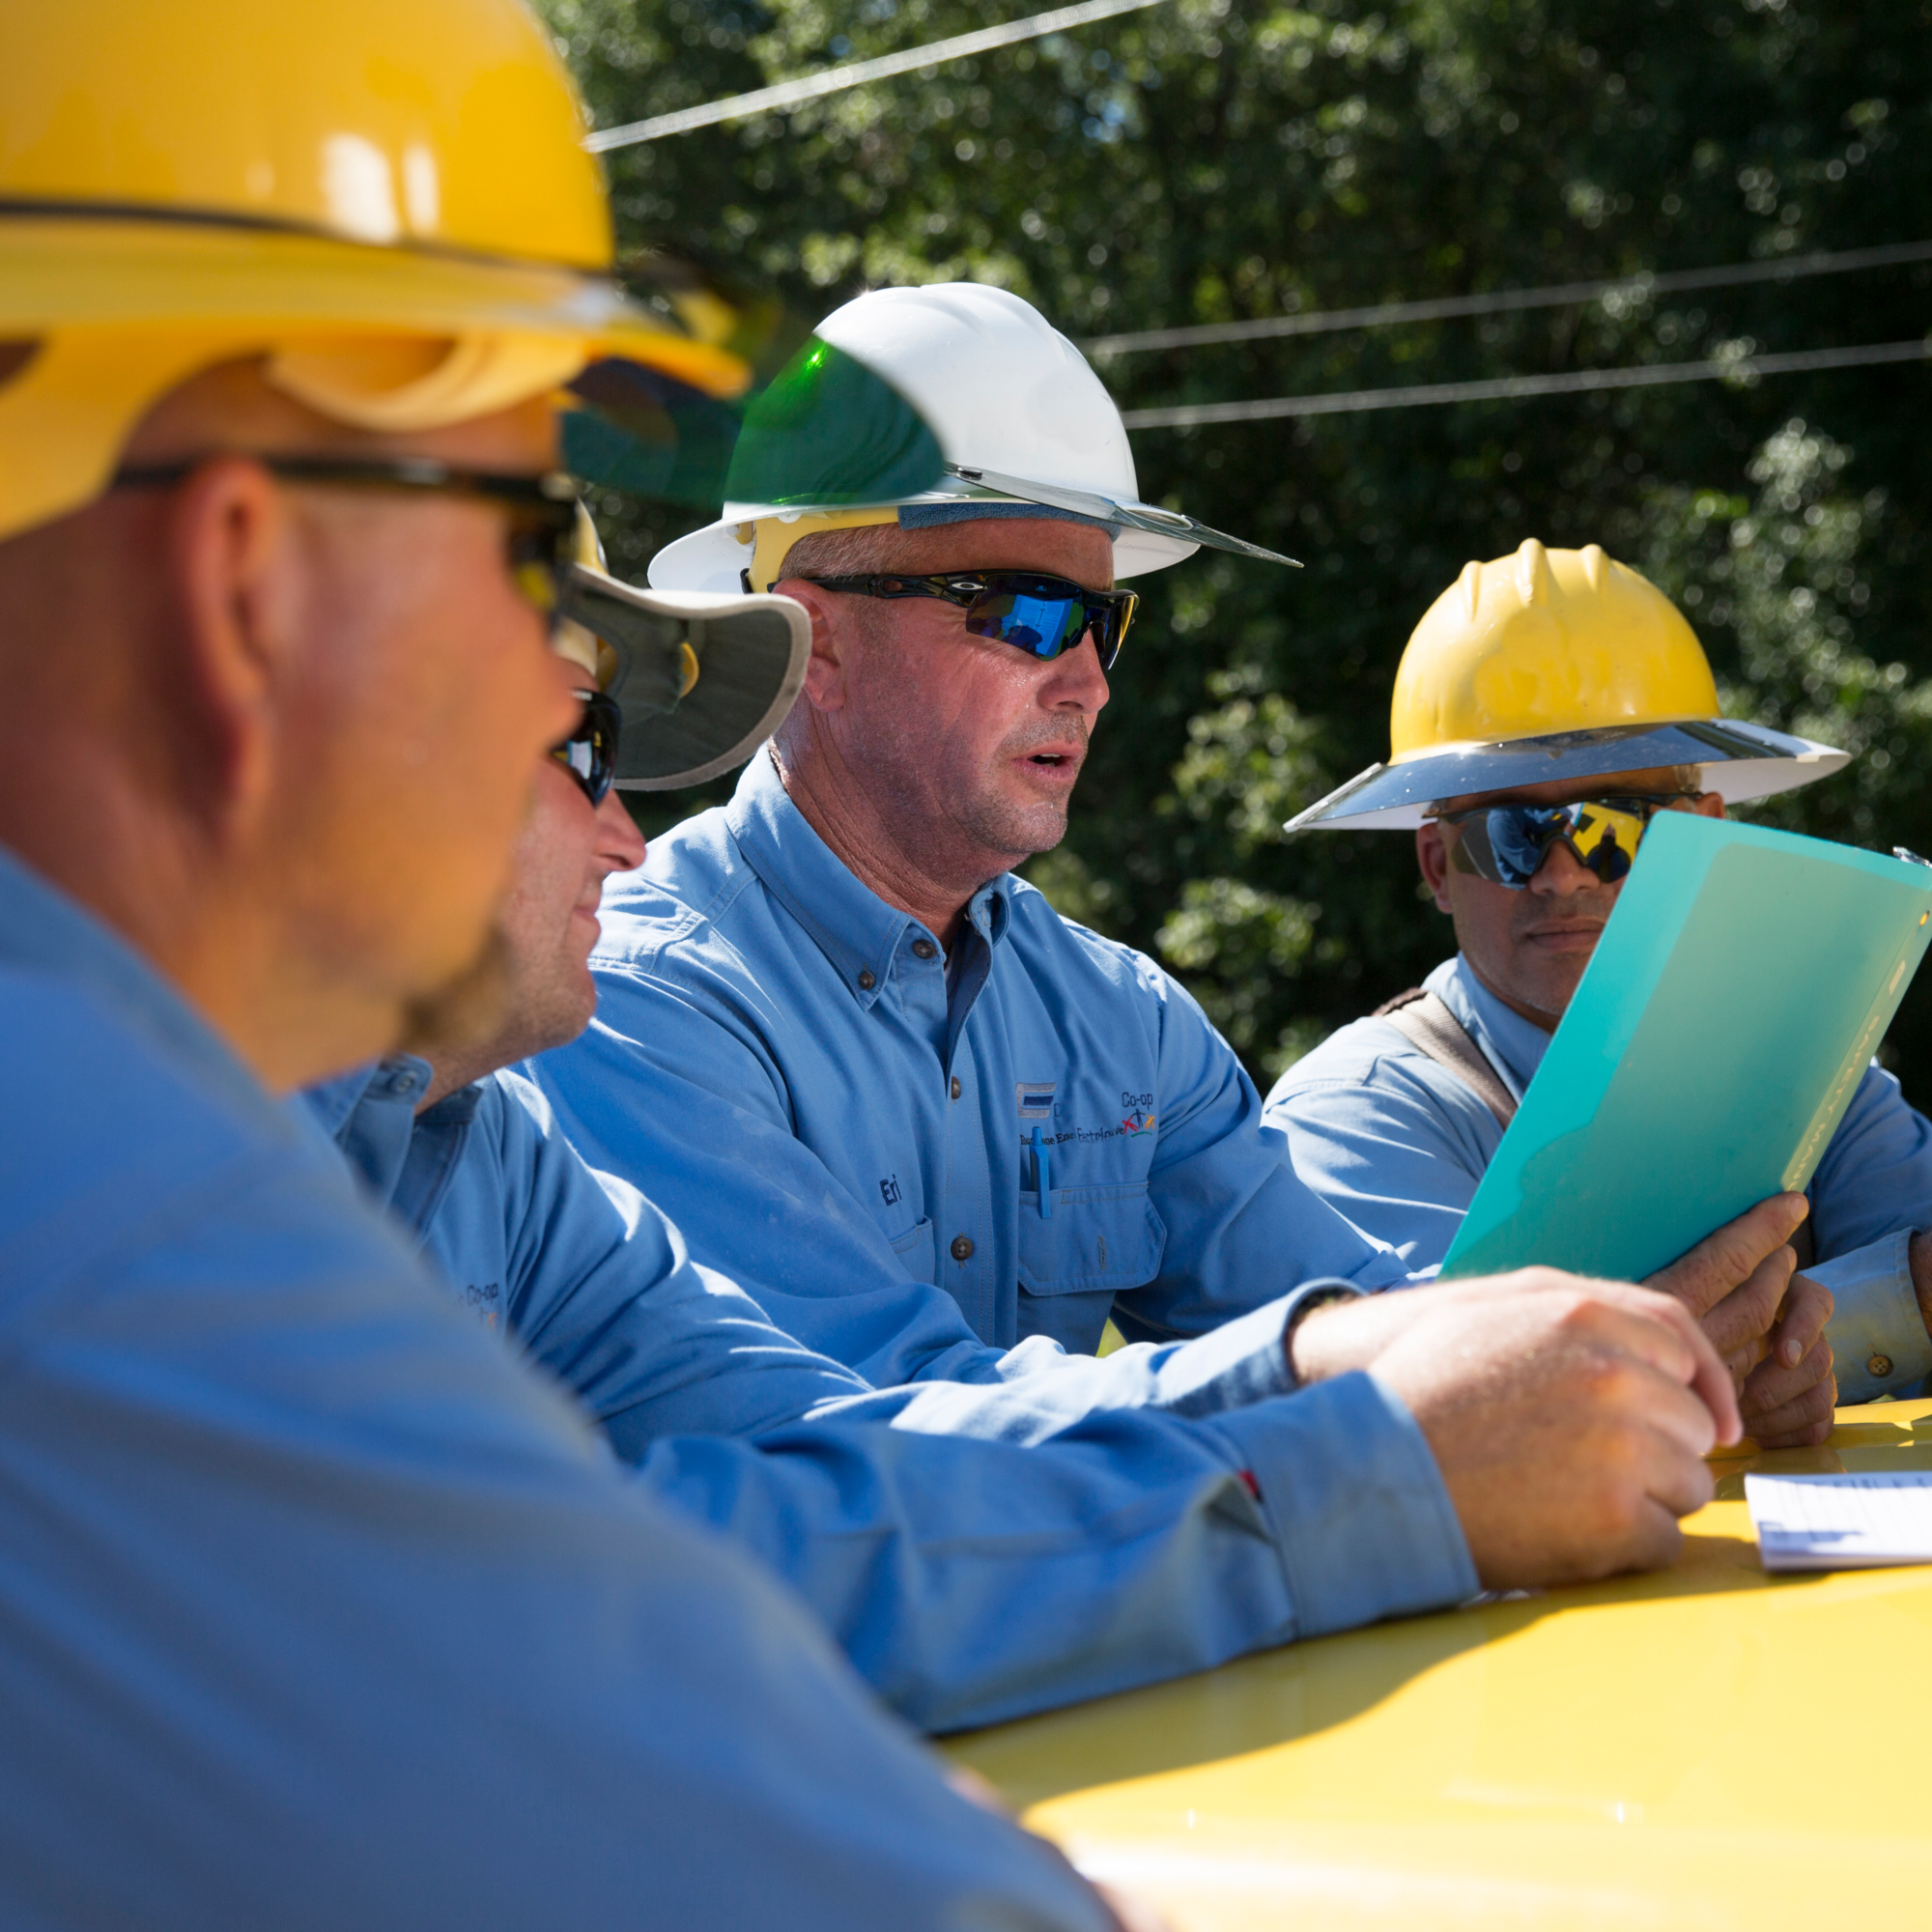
column 1734, row 1282
column 1570, row 1418
column 1789, row 1406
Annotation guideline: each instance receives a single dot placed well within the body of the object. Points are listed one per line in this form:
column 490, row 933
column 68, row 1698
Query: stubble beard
column 469, row 1010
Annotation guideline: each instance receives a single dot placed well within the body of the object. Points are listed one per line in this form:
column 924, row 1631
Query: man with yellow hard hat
column 1548, row 706
column 319, row 1610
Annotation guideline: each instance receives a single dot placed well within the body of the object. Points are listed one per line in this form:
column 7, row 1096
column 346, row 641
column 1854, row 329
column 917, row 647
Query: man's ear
column 1432, row 854
column 1709, row 803
column 228, row 562
column 831, row 642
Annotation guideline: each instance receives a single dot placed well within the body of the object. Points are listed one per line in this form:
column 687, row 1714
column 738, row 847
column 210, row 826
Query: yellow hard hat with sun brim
column 1555, row 665
column 387, row 200
column 389, row 203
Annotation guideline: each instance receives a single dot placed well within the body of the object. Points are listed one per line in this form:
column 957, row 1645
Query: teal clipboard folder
column 1710, row 1051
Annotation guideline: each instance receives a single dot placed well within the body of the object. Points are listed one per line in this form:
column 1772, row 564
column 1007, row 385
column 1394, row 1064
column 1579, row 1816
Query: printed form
column 1841, row 1522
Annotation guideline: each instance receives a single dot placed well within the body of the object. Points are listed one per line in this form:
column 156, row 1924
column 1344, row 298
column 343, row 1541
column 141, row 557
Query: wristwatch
column 1299, row 1306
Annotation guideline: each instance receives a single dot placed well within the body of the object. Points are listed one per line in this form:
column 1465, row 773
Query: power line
column 1380, row 315
column 1508, row 388
column 835, row 80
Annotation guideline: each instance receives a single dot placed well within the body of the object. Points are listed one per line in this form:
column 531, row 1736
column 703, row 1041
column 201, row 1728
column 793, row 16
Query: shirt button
column 923, row 948
column 962, row 1247
column 865, row 980
column 1880, row 1365
column 955, row 1086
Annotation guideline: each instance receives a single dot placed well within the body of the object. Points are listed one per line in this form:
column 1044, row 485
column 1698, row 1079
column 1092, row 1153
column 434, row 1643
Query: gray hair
column 853, row 553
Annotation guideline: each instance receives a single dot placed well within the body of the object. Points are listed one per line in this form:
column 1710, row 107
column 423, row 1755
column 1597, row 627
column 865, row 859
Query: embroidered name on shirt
column 1036, row 1099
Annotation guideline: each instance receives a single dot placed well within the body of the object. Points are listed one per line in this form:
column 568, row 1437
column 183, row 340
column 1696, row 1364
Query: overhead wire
column 835, row 80
column 1509, row 389
column 1499, row 301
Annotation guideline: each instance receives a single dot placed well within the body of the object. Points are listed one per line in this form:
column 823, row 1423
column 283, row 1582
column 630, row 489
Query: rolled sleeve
column 1879, row 1344
column 1359, row 1508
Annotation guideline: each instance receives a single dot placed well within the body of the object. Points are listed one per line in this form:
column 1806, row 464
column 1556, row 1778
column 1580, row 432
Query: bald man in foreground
column 317, row 1609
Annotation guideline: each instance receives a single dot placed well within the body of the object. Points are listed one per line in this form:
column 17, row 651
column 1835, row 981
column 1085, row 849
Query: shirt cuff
column 1879, row 1345
column 1240, row 1363
column 1359, row 1512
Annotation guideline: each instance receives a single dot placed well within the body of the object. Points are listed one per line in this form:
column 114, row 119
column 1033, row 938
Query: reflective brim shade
column 638, row 430
column 826, row 430
column 750, row 655
column 1148, row 517
column 1739, row 761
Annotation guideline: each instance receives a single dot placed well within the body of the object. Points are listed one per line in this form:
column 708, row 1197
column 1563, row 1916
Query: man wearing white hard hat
column 1548, row 704
column 946, row 1133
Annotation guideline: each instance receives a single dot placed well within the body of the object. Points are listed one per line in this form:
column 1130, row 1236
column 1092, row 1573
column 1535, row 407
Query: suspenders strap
column 1425, row 1021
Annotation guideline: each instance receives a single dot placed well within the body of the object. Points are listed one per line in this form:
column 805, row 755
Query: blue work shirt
column 1048, row 1132
column 970, row 1579
column 318, row 1610
column 1397, row 1143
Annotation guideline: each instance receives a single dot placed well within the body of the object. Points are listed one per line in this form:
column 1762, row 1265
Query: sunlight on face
column 963, row 739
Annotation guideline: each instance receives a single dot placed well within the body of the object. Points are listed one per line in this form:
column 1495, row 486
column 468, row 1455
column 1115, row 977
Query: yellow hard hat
column 388, row 199
column 1553, row 665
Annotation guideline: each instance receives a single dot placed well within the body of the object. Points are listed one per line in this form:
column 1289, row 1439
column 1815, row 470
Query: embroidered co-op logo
column 1138, row 1116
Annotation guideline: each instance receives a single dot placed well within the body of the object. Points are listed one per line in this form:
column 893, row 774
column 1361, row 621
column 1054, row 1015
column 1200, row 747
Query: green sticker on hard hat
column 828, row 431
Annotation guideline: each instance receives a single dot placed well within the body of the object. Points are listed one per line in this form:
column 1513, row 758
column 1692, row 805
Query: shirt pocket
column 916, row 1251
column 1096, row 1238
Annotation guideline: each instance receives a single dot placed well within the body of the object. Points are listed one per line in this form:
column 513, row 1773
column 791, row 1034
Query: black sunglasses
column 589, row 755
column 539, row 543
column 1043, row 616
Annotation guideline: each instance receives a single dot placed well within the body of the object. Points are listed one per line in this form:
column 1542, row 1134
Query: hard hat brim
column 1737, row 761
column 752, row 653
column 117, row 311
column 1147, row 518
column 1146, row 537
column 148, row 276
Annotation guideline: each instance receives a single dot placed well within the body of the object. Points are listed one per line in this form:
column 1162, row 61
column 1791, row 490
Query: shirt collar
column 1515, row 1045
column 852, row 925
column 370, row 1113
column 41, row 929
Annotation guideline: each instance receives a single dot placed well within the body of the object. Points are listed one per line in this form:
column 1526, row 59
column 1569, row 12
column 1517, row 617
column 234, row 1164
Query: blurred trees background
column 1211, row 160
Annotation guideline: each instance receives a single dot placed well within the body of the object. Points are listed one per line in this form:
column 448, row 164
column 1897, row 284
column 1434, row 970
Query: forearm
column 975, row 1581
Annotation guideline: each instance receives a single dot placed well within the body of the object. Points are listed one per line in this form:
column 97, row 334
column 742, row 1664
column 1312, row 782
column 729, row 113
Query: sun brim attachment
column 1739, row 761
column 1149, row 518
column 640, row 431
column 828, row 431
column 747, row 654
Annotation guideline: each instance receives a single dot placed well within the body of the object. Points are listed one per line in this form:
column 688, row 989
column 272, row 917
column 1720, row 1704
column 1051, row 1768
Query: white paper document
column 1841, row 1522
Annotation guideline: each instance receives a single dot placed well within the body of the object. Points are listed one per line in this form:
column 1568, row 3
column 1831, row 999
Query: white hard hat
column 1021, row 422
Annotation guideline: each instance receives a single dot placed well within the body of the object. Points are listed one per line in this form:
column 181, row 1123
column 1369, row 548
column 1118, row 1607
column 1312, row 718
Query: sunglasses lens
column 1504, row 845
column 590, row 753
column 1606, row 840
column 1043, row 625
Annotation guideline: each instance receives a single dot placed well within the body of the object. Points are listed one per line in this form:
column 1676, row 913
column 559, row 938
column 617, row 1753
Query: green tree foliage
column 1211, row 160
